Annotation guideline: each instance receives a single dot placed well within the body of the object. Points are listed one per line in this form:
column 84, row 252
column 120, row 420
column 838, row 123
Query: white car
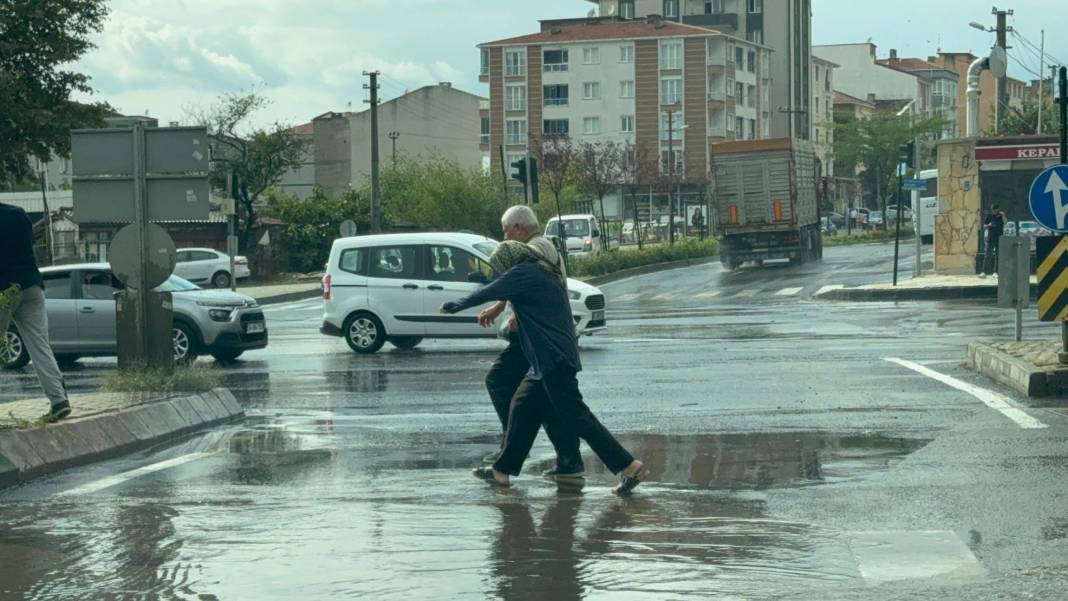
column 389, row 287
column 209, row 266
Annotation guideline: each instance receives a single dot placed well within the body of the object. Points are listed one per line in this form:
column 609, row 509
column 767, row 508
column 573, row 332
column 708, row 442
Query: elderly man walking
column 547, row 336
column 507, row 372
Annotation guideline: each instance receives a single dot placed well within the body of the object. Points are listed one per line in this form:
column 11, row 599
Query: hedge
column 618, row 260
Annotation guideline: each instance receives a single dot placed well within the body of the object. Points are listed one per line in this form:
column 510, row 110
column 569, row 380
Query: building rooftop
column 843, row 98
column 596, row 29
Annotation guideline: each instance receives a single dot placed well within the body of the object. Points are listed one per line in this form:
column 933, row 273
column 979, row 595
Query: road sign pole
column 917, row 209
column 1062, row 85
column 897, row 234
column 141, row 220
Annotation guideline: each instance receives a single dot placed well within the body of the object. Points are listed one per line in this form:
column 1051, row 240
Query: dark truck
column 765, row 194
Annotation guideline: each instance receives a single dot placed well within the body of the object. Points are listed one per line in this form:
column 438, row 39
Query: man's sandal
column 486, row 475
column 627, row 484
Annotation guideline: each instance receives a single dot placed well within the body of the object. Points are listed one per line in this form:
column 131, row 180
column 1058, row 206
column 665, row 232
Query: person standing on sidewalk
column 27, row 306
column 547, row 335
column 995, row 227
column 507, row 372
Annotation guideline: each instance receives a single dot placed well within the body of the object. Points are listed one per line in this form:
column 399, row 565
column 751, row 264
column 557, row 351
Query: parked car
column 80, row 303
column 389, row 287
column 208, row 266
column 836, row 219
column 891, row 214
column 827, row 226
column 1028, row 228
column 875, row 218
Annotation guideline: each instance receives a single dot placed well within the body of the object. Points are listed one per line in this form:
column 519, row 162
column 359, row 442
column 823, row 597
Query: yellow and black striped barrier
column 1051, row 252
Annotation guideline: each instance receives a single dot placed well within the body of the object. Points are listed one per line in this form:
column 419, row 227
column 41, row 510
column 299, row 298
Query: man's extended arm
column 504, row 288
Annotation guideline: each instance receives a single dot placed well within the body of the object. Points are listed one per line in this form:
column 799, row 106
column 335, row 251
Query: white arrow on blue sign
column 1049, row 198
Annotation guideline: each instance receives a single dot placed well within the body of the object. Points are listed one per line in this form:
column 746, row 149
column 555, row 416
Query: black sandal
column 627, row 484
column 486, row 475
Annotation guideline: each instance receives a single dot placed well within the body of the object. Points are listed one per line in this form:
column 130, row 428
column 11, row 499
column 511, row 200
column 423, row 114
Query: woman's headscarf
column 510, row 253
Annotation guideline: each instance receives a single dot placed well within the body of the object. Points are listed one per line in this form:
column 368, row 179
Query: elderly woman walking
column 547, row 336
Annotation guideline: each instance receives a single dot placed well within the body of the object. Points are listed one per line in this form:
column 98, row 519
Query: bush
column 867, row 237
column 186, row 378
column 618, row 260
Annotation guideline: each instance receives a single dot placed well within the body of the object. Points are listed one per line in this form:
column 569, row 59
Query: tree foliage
column 557, row 157
column 312, row 224
column 600, row 170
column 1023, row 120
column 37, row 40
column 259, row 157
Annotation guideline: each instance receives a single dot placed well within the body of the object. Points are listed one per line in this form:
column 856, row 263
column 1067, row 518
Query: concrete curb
column 644, row 269
column 289, row 296
column 915, row 294
column 28, row 454
column 1016, row 373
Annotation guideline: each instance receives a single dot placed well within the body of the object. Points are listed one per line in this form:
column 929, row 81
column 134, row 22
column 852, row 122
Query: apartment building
column 943, row 87
column 652, row 83
column 823, row 114
column 784, row 26
column 860, row 75
column 958, row 63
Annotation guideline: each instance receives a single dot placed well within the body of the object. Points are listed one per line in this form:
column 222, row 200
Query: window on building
column 555, row 95
column 591, row 90
column 515, row 131
column 626, row 9
column 750, row 64
column 591, row 56
column 555, row 60
column 669, row 166
column 730, row 121
column 739, row 92
column 485, row 62
column 485, row 137
column 715, row 7
column 626, row 123
column 827, row 82
column 671, row 55
column 818, row 105
column 626, row 89
column 755, row 6
column 556, row 127
column 816, row 135
column 671, row 123
column 591, row 125
column 626, row 54
column 755, row 35
column 750, row 96
column 515, row 62
column 730, row 87
column 730, row 54
column 515, row 98
column 752, row 129
column 671, row 90
column 671, row 8
column 739, row 56
column 739, row 126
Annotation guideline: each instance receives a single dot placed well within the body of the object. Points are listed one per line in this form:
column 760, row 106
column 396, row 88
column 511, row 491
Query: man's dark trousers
column 502, row 381
column 990, row 257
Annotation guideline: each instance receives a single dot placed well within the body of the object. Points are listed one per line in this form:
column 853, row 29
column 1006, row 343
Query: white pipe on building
column 974, row 71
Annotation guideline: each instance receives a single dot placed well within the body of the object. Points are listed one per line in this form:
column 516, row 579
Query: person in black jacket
column 547, row 337
column 995, row 227
column 18, row 271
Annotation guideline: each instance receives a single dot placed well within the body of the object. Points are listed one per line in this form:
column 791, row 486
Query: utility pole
column 671, row 183
column 1041, row 68
column 393, row 135
column 50, row 249
column 1003, row 81
column 376, row 193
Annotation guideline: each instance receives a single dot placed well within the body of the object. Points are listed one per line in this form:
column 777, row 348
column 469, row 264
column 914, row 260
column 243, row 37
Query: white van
column 928, row 203
column 389, row 287
column 582, row 231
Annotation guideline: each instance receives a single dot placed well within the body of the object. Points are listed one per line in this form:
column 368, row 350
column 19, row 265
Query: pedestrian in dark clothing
column 995, row 227
column 547, row 337
column 27, row 305
column 507, row 372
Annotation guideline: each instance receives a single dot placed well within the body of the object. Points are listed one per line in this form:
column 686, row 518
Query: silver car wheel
column 14, row 348
column 363, row 332
column 181, row 344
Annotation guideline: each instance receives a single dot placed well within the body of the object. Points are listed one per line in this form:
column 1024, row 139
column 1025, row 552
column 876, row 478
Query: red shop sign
column 1015, row 153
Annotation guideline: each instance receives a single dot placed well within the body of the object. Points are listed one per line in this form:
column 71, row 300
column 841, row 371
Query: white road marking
column 711, row 294
column 666, row 296
column 626, row 297
column 789, row 291
column 302, row 304
column 829, row 288
column 892, row 556
column 117, row 479
column 994, row 400
column 748, row 293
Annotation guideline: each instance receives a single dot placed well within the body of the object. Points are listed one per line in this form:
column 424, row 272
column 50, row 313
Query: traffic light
column 534, row 181
column 520, row 174
column 907, row 152
column 529, row 178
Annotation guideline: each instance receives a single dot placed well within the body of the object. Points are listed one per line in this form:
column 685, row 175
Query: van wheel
column 406, row 342
column 15, row 354
column 364, row 333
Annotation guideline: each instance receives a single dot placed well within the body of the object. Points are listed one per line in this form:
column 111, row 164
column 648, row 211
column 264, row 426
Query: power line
column 1034, row 47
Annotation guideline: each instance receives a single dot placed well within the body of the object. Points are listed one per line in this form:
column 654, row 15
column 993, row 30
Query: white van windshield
column 574, row 228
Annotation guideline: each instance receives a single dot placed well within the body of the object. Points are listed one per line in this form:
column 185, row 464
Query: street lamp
column 978, row 26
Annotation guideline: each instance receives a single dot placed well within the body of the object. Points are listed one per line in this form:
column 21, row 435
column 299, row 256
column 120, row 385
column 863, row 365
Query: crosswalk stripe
column 666, row 296
column 748, row 293
column 711, row 294
column 627, row 297
column 789, row 291
column 829, row 288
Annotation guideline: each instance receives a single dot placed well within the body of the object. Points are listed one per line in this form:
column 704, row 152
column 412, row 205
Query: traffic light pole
column 1062, row 85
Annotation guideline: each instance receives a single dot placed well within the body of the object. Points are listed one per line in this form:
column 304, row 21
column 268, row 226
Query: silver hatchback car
column 80, row 301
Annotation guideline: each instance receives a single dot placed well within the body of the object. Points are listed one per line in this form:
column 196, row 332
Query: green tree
column 600, row 168
column 435, row 193
column 1023, row 120
column 875, row 145
column 556, row 157
column 37, row 39
column 258, row 157
column 312, row 224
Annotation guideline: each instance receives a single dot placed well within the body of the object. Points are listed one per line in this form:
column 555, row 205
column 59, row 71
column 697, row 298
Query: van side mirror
column 595, row 233
column 477, row 277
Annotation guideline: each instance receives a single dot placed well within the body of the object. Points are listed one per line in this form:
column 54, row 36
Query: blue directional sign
column 1049, row 198
column 914, row 184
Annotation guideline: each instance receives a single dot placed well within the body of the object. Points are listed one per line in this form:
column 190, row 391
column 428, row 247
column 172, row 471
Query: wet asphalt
column 790, row 459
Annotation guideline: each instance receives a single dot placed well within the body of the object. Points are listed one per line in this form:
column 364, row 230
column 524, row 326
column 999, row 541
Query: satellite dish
column 591, row 14
column 998, row 61
column 611, row 10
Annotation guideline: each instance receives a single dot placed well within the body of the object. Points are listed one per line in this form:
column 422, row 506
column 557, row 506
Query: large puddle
column 326, row 508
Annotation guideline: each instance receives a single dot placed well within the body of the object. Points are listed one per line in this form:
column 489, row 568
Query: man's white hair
column 522, row 216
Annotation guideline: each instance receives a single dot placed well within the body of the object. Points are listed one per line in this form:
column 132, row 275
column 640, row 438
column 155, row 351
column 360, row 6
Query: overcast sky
column 163, row 56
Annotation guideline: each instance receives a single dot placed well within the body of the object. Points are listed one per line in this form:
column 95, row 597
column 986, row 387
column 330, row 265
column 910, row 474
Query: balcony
column 717, row 131
column 717, row 59
column 721, row 20
column 716, row 95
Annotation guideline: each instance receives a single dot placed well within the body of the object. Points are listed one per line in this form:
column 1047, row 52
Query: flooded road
column 790, row 460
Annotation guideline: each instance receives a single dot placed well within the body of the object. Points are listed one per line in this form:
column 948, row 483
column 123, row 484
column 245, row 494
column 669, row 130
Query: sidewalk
column 281, row 293
column 927, row 287
column 101, row 426
column 1029, row 367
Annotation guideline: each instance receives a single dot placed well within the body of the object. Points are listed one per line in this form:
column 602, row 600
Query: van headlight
column 574, row 294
